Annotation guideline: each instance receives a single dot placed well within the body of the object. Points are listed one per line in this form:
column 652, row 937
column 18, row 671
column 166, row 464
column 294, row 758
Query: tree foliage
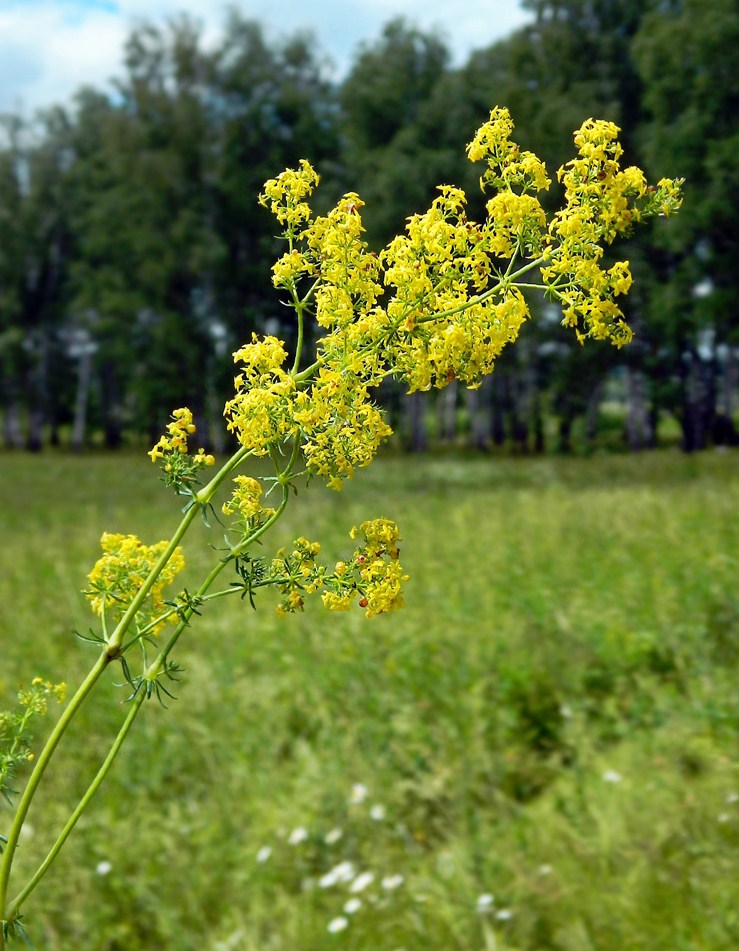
column 134, row 256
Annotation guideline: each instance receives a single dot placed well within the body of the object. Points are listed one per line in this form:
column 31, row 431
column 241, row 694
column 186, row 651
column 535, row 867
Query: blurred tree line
column 134, row 257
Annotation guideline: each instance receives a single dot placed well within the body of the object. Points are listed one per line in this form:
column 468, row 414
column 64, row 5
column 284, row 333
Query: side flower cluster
column 373, row 574
column 120, row 573
column 180, row 468
column 451, row 312
column 261, row 414
column 245, row 503
column 15, row 746
column 296, row 574
column 372, row 577
column 603, row 202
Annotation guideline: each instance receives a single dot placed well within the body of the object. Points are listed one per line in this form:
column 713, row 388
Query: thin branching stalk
column 111, row 652
column 16, row 903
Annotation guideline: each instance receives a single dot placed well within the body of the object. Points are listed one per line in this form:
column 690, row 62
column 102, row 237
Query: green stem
column 306, row 374
column 206, row 493
column 41, row 763
column 481, row 298
column 168, row 614
column 299, row 344
column 111, row 651
column 15, row 905
column 155, row 668
column 300, row 306
column 311, row 291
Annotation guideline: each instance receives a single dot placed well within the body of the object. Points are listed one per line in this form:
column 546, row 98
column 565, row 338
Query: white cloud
column 46, row 55
column 49, row 48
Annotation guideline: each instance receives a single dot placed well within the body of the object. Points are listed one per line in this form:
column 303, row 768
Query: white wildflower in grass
column 343, row 872
column 297, row 836
column 337, row 924
column 611, row 776
column 352, row 906
column 377, row 812
column 732, row 798
column 391, row 882
column 333, row 836
column 545, row 870
column 103, row 868
column 723, row 817
column 505, row 914
column 485, row 903
column 361, row 882
column 264, row 853
column 358, row 794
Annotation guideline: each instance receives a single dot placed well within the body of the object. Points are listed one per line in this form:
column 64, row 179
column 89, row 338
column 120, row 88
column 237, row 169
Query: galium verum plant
column 439, row 303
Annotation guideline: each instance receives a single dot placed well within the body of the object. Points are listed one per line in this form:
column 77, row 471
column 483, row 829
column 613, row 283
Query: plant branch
column 41, row 763
column 15, row 905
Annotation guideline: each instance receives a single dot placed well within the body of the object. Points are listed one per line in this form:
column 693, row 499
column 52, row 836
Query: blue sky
column 48, row 48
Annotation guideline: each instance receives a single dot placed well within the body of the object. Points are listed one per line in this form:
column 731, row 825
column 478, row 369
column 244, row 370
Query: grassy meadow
column 539, row 753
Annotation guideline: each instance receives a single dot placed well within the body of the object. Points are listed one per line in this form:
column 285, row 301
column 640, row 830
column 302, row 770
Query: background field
column 552, row 720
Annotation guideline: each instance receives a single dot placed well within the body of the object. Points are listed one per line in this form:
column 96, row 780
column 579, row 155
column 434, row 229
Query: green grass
column 552, row 719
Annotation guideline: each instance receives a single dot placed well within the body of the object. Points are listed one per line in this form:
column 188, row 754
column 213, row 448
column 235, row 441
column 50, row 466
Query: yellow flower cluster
column 245, row 501
column 179, row 429
column 342, row 428
column 348, row 272
column 296, row 574
column 515, row 223
column 119, row 574
column 449, row 323
column 374, row 572
column 602, row 202
column 508, row 167
column 288, row 269
column 373, row 575
column 441, row 301
column 36, row 697
column 261, row 413
column 180, row 468
column 285, row 195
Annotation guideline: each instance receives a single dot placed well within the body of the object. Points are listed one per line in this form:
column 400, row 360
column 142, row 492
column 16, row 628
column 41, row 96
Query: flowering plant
column 438, row 303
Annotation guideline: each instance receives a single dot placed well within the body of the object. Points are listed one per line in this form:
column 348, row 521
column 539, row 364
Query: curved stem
column 41, row 763
column 168, row 614
column 155, row 667
column 112, row 650
column 299, row 343
column 481, row 298
column 15, row 905
column 311, row 291
column 206, row 493
column 306, row 374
